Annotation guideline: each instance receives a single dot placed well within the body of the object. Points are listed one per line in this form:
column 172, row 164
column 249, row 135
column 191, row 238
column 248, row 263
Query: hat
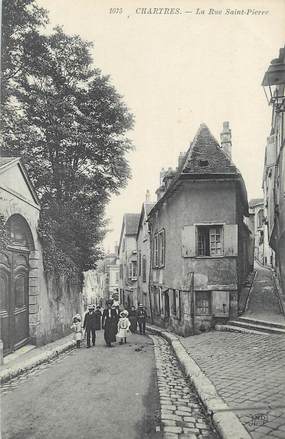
column 109, row 302
column 77, row 317
column 124, row 313
column 140, row 305
column 91, row 306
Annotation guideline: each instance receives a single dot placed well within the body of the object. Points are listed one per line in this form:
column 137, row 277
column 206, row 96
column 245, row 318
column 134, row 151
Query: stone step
column 269, row 329
column 256, row 321
column 230, row 328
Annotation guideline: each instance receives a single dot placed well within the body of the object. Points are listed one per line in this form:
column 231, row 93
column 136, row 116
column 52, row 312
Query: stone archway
column 14, row 284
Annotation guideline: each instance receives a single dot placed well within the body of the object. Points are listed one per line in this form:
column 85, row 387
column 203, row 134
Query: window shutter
column 231, row 240
column 188, row 242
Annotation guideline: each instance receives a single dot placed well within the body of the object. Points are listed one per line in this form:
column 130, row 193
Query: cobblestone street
column 182, row 415
column 248, row 373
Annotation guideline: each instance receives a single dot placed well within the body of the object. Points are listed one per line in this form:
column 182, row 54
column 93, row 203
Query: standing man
column 89, row 325
column 98, row 316
column 141, row 314
column 109, row 321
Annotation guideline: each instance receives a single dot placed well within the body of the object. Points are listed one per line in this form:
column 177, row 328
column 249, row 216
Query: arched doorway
column 14, row 284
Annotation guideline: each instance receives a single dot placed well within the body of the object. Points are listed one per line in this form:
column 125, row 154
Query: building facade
column 127, row 252
column 200, row 245
column 34, row 307
column 143, row 254
column 257, row 225
column 274, row 166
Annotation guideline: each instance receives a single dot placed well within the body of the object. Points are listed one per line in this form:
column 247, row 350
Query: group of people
column 115, row 322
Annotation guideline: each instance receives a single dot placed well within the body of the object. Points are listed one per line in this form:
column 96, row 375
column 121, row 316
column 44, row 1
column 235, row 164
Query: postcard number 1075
column 116, row 10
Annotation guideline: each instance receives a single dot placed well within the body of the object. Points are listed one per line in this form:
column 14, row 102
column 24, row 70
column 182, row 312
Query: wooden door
column 19, row 298
column 14, row 304
column 5, row 290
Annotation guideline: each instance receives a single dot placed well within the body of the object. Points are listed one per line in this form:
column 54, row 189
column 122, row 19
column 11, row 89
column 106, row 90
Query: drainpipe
column 193, row 300
column 1, row 342
column 149, row 272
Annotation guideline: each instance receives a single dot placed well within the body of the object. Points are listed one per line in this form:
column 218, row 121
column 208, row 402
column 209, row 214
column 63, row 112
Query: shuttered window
column 210, row 240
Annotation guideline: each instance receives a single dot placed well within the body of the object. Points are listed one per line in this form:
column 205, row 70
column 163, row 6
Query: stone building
column 274, row 165
column 34, row 307
column 143, row 253
column 127, row 252
column 200, row 245
column 93, row 287
column 257, row 224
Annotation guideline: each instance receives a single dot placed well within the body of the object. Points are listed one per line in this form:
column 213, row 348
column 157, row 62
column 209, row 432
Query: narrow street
column 134, row 391
column 87, row 393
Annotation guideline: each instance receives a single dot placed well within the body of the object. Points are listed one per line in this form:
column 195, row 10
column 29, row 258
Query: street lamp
column 273, row 81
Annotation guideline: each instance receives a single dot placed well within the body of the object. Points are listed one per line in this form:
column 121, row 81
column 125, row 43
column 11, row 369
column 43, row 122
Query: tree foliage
column 69, row 124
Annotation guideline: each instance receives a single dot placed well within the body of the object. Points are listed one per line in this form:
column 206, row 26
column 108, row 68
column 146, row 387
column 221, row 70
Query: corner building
column 200, row 246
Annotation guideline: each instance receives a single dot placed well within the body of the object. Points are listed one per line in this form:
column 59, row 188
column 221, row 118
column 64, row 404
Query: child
column 123, row 326
column 77, row 329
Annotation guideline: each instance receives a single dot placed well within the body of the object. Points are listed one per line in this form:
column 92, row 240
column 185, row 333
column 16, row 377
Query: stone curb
column 31, row 363
column 224, row 420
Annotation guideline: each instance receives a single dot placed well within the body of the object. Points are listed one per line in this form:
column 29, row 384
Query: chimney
column 181, row 159
column 147, row 196
column 226, row 139
column 162, row 174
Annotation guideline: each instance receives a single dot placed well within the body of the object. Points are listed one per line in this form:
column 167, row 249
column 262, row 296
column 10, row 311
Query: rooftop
column 131, row 223
column 205, row 156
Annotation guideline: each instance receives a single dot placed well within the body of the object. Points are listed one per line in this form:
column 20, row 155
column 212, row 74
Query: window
column 144, row 268
column 140, row 263
column 260, row 218
column 155, row 251
column 210, row 240
column 174, row 309
column 121, row 271
column 203, row 302
column 159, row 249
column 133, row 270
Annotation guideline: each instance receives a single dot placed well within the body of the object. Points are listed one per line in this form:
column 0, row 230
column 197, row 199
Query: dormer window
column 203, row 163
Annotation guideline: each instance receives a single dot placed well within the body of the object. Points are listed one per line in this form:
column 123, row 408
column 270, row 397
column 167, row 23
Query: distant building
column 128, row 259
column 112, row 270
column 257, row 224
column 200, row 245
column 143, row 254
column 274, row 165
column 93, row 287
column 35, row 307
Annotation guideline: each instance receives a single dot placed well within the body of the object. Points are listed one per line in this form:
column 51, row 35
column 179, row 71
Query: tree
column 70, row 128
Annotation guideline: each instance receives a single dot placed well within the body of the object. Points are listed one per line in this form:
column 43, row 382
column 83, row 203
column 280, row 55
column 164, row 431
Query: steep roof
column 146, row 208
column 205, row 156
column 206, row 159
column 131, row 223
column 255, row 202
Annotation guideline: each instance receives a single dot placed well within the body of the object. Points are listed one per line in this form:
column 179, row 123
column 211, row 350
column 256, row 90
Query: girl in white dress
column 123, row 326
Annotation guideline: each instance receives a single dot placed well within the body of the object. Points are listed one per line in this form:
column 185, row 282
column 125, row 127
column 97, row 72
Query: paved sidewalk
column 182, row 414
column 28, row 357
column 248, row 372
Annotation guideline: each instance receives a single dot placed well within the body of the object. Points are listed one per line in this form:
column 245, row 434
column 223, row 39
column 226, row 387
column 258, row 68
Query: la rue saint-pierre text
column 197, row 11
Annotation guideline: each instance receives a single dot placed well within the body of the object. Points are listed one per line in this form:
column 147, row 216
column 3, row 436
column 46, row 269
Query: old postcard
column 142, row 219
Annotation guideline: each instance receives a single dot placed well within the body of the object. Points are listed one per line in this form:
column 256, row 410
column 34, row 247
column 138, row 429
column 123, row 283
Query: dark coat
column 141, row 314
column 89, row 321
column 109, row 324
column 98, row 316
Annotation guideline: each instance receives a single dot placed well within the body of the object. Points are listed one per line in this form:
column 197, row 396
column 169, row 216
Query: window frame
column 209, row 300
column 207, row 230
column 159, row 241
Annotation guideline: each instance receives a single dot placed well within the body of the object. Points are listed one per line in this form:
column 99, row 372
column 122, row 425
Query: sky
column 176, row 71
